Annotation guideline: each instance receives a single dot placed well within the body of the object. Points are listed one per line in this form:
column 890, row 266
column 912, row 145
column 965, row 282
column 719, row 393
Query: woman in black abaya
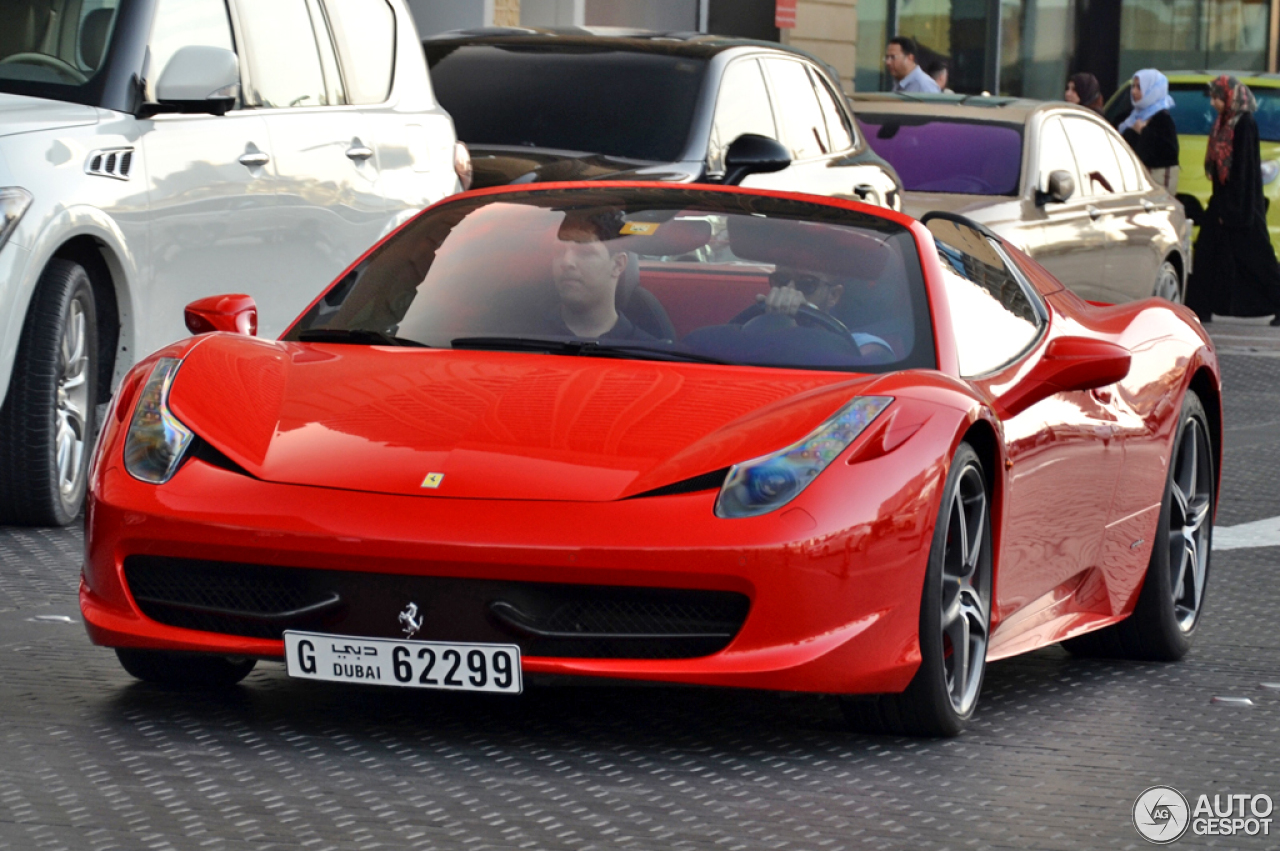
column 1236, row 273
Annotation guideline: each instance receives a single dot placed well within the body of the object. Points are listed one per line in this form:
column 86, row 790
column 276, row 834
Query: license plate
column 412, row 664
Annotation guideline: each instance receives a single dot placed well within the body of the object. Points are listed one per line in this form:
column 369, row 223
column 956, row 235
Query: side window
column 1129, row 170
column 365, row 32
column 741, row 107
column 837, row 125
column 1099, row 171
column 282, row 54
column 1055, row 154
column 96, row 18
column 992, row 315
column 179, row 23
column 804, row 130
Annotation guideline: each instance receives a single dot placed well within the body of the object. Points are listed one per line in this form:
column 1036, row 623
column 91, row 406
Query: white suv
column 156, row 151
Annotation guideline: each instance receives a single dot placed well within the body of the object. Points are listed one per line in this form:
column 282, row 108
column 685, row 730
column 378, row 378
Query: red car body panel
column 541, row 454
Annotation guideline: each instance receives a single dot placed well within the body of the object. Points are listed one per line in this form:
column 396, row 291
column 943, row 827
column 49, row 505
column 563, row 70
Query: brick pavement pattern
column 91, row 760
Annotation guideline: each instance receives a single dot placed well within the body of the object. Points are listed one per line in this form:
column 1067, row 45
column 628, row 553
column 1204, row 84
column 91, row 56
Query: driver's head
column 588, row 259
column 821, row 290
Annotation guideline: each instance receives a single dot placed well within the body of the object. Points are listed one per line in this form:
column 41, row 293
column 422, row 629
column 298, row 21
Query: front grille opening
column 544, row 619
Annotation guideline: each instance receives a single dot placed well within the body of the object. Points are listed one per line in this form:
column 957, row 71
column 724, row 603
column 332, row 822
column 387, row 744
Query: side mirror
column 753, row 154
column 234, row 313
column 199, row 79
column 1068, row 363
column 1061, row 187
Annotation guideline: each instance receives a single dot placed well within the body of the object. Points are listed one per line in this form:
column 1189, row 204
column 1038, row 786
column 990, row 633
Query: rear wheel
column 187, row 670
column 1165, row 618
column 1168, row 283
column 955, row 618
column 47, row 422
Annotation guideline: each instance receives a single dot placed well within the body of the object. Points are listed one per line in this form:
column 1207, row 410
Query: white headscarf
column 1155, row 97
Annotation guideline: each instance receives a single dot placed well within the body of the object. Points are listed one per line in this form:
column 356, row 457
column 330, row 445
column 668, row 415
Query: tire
column 1164, row 620
column 1168, row 284
column 955, row 609
column 47, row 424
column 185, row 670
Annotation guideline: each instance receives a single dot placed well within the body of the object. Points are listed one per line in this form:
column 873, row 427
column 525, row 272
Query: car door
column 1134, row 261
column 329, row 208
column 210, row 187
column 1069, row 242
column 1107, row 203
column 1064, row 458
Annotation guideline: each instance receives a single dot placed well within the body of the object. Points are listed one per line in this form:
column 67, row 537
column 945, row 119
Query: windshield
column 53, row 48
column 664, row 274
column 934, row 154
column 623, row 104
column 1193, row 115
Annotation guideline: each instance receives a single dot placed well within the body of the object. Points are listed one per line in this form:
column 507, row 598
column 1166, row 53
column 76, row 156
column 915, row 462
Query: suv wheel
column 47, row 422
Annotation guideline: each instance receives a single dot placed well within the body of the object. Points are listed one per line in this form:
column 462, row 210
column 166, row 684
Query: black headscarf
column 1088, row 90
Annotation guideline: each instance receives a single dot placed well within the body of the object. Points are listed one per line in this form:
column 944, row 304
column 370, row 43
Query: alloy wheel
column 72, row 400
column 1191, row 490
column 1168, row 287
column 965, row 598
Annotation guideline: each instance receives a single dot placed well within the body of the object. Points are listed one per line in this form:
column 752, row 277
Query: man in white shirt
column 900, row 59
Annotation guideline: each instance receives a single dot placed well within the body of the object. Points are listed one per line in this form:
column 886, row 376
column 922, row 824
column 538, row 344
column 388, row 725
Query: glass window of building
column 803, row 127
column 1037, row 42
column 1099, row 171
column 1193, row 34
column 741, row 107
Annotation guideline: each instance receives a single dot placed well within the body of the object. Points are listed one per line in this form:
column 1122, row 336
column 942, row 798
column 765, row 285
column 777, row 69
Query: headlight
column 1270, row 170
column 14, row 201
column 156, row 440
column 771, row 481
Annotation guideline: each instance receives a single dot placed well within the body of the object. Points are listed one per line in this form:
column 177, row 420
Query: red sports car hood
column 491, row 425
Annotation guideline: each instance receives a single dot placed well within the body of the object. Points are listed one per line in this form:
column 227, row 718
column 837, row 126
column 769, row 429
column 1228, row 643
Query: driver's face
column 585, row 273
column 817, row 288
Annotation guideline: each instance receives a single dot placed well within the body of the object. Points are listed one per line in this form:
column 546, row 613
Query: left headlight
column 1270, row 170
column 771, row 481
column 14, row 201
column 156, row 440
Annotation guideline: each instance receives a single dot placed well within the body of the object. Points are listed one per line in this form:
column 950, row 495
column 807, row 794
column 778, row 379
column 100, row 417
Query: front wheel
column 1165, row 618
column 185, row 670
column 955, row 618
column 46, row 424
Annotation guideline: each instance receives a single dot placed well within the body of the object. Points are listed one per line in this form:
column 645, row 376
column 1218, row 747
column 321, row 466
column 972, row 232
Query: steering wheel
column 805, row 315
column 48, row 61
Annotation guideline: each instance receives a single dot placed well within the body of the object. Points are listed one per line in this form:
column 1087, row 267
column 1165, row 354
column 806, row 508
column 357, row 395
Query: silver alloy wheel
column 1168, row 287
column 966, row 615
column 72, row 400
column 1192, row 499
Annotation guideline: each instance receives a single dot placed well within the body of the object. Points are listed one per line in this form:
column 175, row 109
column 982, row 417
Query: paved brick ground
column 90, row 759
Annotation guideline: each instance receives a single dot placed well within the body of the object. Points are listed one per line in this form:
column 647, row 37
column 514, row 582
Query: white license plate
column 412, row 664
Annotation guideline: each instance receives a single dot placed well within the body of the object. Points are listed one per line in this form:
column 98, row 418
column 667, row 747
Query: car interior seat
column 641, row 306
column 93, row 36
column 27, row 26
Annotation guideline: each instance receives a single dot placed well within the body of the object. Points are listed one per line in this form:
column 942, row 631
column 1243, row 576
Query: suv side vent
column 110, row 162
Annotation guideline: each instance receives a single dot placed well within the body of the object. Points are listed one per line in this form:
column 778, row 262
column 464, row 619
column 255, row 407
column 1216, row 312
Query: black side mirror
column 753, row 154
column 1061, row 187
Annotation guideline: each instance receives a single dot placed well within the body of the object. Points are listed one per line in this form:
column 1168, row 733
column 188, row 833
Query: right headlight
column 156, row 440
column 1270, row 170
column 14, row 201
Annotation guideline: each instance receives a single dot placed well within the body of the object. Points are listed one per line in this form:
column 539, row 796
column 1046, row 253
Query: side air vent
column 110, row 162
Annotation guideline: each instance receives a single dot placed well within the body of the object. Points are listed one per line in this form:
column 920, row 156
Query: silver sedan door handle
column 359, row 152
column 254, row 159
column 1093, row 211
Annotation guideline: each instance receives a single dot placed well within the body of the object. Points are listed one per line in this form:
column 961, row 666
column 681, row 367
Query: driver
column 586, row 266
column 790, row 289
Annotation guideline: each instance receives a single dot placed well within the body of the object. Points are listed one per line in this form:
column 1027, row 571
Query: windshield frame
column 641, row 196
column 116, row 84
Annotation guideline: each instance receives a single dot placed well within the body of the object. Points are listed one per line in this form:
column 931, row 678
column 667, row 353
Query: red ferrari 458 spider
column 682, row 434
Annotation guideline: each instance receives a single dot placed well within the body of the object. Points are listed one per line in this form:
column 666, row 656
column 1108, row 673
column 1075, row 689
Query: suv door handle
column 1093, row 212
column 359, row 152
column 254, row 159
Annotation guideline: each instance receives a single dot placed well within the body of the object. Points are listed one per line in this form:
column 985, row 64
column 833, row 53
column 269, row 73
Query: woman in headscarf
column 1149, row 129
column 1084, row 90
column 1236, row 273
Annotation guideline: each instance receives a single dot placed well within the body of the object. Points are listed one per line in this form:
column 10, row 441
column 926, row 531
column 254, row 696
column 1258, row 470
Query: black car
column 537, row 105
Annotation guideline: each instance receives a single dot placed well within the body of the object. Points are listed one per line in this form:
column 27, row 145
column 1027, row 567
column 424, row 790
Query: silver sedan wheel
column 1191, row 490
column 72, row 400
column 1168, row 286
column 966, row 615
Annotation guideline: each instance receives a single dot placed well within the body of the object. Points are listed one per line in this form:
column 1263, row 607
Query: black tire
column 936, row 703
column 1163, row 623
column 46, row 436
column 185, row 670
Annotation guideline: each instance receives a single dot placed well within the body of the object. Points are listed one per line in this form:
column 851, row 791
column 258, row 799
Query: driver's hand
column 786, row 300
